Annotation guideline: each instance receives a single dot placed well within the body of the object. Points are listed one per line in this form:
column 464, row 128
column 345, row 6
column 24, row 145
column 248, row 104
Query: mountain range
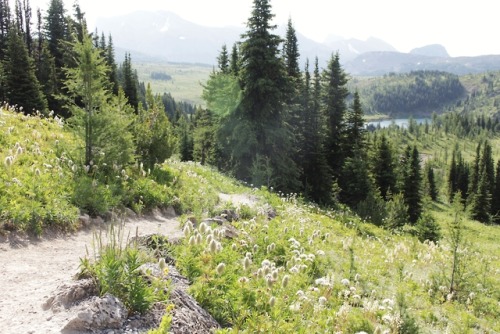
column 165, row 36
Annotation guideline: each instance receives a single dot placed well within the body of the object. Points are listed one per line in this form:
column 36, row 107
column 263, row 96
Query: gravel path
column 30, row 271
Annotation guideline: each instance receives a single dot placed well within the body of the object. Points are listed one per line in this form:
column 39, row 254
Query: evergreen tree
column 110, row 59
column 223, row 60
column 155, row 141
column 384, row 169
column 354, row 128
column 412, row 189
column 129, row 82
column 103, row 120
column 487, row 166
column 355, row 182
column 481, row 200
column 495, row 200
column 5, row 22
column 291, row 54
column 475, row 173
column 57, row 36
column 22, row 86
column 263, row 79
column 480, row 204
column 294, row 115
column 458, row 176
column 316, row 174
column 335, row 92
column 185, row 139
column 204, row 137
column 57, row 31
column 431, row 183
column 234, row 64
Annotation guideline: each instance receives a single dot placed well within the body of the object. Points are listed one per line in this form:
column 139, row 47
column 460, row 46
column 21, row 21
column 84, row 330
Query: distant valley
column 165, row 37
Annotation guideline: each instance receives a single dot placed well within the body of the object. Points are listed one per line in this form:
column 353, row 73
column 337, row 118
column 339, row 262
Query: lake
column 401, row 122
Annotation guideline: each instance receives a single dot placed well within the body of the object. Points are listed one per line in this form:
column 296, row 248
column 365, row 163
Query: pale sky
column 464, row 28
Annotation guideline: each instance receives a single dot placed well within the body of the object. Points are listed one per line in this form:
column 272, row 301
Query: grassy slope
column 391, row 277
column 35, row 175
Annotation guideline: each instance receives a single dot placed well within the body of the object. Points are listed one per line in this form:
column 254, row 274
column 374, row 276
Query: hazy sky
column 465, row 28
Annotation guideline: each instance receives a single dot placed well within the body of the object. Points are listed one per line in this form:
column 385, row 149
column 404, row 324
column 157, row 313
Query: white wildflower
column 220, row 268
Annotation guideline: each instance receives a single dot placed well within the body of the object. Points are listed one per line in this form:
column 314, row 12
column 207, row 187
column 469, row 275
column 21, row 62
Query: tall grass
column 115, row 266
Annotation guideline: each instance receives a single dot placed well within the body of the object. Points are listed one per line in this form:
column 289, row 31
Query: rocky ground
column 32, row 270
column 40, row 294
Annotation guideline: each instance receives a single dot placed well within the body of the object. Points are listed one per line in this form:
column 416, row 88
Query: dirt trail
column 31, row 271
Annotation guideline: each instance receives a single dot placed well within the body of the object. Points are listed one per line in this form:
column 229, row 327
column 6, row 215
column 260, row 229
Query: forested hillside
column 421, row 93
column 417, row 93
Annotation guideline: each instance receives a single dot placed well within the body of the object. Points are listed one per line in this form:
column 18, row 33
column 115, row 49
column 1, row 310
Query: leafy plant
column 116, row 269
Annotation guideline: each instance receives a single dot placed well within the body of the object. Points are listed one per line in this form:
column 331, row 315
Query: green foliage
column 286, row 274
column 397, row 212
column 165, row 323
column 384, row 168
column 412, row 184
column 154, row 137
column 35, row 174
column 427, row 228
column 23, row 88
column 92, row 196
column 115, row 267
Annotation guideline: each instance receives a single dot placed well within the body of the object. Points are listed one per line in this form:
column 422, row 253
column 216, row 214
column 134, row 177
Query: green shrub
column 116, row 270
column 92, row 196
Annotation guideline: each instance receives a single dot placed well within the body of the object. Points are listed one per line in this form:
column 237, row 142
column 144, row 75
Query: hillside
column 288, row 265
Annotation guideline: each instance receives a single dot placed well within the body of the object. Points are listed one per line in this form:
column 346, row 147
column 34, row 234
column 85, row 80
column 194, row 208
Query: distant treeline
column 161, row 76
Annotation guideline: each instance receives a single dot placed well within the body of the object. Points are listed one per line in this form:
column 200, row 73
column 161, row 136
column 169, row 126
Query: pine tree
column 22, row 86
column 458, row 176
column 263, row 79
column 154, row 136
column 294, row 116
column 495, row 200
column 223, row 60
column 204, row 137
column 129, row 83
column 316, row 174
column 110, row 59
column 481, row 199
column 5, row 23
column 475, row 173
column 185, row 139
column 57, row 36
column 384, row 169
column 234, row 64
column 291, row 54
column 56, row 27
column 432, row 191
column 354, row 128
column 335, row 92
column 412, row 189
column 87, row 83
column 355, row 181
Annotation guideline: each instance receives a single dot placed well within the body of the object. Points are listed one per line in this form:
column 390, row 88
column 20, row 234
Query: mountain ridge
column 166, row 36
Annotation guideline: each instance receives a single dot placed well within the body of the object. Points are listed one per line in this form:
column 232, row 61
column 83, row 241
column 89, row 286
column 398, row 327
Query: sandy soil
column 30, row 271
